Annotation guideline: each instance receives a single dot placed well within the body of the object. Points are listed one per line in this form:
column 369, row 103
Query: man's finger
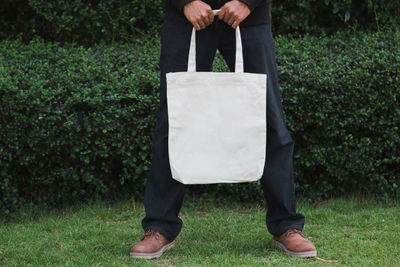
column 236, row 23
column 205, row 19
column 196, row 26
column 201, row 24
column 221, row 14
column 211, row 17
column 231, row 20
column 227, row 17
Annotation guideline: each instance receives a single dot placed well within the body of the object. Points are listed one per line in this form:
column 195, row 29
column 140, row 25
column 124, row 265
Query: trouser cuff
column 161, row 231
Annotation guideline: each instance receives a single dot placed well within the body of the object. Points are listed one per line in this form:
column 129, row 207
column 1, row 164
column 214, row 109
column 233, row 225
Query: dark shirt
column 259, row 10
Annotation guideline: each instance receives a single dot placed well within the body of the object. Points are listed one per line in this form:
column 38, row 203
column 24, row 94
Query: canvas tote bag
column 217, row 123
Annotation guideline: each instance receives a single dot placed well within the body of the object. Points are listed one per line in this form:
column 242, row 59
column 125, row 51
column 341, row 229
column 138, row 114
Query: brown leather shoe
column 152, row 245
column 294, row 243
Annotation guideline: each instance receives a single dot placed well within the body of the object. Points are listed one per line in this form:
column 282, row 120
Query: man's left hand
column 234, row 12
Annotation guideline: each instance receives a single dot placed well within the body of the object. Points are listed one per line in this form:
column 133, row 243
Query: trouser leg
column 163, row 195
column 277, row 181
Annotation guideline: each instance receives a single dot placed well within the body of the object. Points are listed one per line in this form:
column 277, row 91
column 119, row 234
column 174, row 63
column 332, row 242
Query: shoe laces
column 293, row 231
column 151, row 233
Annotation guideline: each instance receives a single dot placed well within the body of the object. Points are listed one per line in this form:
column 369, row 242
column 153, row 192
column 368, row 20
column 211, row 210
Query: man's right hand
column 199, row 14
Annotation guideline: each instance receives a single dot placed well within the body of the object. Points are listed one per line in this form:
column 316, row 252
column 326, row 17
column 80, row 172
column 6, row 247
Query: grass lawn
column 361, row 233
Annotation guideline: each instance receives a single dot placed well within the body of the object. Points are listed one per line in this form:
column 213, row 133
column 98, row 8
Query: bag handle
column 238, row 57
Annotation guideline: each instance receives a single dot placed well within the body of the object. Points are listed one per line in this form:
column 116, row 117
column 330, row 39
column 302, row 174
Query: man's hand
column 234, row 12
column 199, row 14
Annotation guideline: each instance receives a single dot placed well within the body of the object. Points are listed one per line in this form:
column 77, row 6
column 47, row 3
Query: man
column 163, row 195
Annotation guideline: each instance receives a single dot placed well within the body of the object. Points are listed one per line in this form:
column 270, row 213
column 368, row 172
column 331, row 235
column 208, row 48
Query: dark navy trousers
column 163, row 195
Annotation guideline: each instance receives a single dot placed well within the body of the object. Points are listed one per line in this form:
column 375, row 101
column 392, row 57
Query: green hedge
column 83, row 21
column 315, row 16
column 341, row 96
column 77, row 122
column 94, row 21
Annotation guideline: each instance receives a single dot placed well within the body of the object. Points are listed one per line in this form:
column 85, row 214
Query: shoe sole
column 153, row 255
column 305, row 254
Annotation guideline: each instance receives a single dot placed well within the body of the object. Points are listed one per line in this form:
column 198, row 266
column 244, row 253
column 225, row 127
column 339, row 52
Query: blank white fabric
column 217, row 123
